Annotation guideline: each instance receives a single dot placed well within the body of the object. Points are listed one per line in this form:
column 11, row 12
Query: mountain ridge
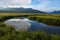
column 21, row 10
column 55, row 12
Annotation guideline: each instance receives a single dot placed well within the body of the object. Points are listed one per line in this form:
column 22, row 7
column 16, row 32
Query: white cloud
column 14, row 2
column 22, row 2
column 44, row 5
column 24, row 6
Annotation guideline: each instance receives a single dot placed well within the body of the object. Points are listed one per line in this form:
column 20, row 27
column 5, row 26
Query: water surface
column 24, row 23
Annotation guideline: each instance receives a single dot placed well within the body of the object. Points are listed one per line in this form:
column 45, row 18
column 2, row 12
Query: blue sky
column 42, row 5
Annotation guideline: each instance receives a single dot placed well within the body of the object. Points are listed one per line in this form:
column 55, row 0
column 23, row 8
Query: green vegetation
column 50, row 19
column 9, row 33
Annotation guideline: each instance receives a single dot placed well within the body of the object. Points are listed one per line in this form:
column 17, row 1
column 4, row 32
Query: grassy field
column 9, row 33
column 50, row 19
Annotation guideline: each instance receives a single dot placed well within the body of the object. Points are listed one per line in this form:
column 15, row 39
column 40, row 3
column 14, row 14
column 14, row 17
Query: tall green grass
column 50, row 19
column 47, row 19
column 9, row 33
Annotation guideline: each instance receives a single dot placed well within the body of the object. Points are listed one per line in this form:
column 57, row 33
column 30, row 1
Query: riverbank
column 9, row 33
column 50, row 19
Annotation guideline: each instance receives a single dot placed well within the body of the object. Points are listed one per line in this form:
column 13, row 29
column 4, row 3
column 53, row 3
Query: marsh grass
column 9, row 33
column 50, row 19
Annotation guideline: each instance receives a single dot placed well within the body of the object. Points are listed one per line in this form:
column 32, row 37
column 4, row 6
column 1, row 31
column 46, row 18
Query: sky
column 42, row 5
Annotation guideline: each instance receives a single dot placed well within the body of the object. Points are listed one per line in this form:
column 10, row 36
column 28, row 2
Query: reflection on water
column 32, row 25
column 18, row 24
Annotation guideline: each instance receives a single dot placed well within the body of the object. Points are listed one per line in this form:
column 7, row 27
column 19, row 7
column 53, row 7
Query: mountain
column 21, row 10
column 55, row 12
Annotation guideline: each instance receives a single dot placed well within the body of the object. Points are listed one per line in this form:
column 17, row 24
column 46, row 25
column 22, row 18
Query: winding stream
column 26, row 24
